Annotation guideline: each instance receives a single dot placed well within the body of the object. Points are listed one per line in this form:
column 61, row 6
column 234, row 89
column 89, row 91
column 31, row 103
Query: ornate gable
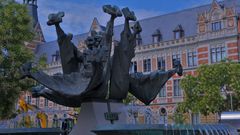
column 38, row 38
column 202, row 23
column 229, row 12
column 201, row 18
column 215, row 5
column 96, row 26
column 216, row 11
column 38, row 33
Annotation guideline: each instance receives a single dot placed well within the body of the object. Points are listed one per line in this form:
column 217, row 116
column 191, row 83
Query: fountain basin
column 30, row 131
column 159, row 129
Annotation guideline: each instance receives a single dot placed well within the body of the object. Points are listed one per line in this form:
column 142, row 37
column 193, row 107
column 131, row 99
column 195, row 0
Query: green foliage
column 178, row 118
column 15, row 30
column 129, row 99
column 203, row 92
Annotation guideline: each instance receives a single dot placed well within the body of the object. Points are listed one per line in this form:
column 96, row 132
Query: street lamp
column 224, row 93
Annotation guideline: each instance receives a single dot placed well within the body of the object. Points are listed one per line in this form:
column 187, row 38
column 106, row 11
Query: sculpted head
column 90, row 42
column 94, row 40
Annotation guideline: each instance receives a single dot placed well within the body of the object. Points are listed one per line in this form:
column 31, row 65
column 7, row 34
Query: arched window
column 163, row 118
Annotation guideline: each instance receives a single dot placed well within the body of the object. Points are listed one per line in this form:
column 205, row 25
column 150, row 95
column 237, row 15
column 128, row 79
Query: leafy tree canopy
column 15, row 31
column 209, row 91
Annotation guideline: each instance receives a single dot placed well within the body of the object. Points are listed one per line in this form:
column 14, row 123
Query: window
column 156, row 39
column 133, row 68
column 218, row 54
column 216, row 26
column 37, row 102
column 161, row 63
column 45, row 102
column 56, row 56
column 176, row 88
column 147, row 65
column 148, row 116
column 156, row 36
column 29, row 99
column 177, row 35
column 178, row 32
column 192, row 59
column 175, row 57
column 162, row 92
column 138, row 39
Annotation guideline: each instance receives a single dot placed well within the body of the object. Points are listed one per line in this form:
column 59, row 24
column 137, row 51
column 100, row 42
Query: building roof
column 165, row 23
column 49, row 48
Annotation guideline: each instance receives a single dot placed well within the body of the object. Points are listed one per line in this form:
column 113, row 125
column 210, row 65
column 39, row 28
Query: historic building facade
column 202, row 35
column 216, row 39
column 43, row 104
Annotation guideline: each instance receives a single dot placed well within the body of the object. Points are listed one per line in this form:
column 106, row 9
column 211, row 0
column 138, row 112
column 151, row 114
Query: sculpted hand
column 137, row 28
column 55, row 18
column 112, row 10
column 129, row 15
column 179, row 69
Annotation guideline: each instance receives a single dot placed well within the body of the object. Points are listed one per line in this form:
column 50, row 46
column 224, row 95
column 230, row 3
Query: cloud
column 78, row 16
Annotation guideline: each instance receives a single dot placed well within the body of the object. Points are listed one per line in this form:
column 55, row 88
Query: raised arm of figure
column 146, row 87
column 56, row 19
column 70, row 56
column 115, row 12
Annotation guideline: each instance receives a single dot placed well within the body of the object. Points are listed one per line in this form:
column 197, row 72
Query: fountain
column 38, row 124
column 98, row 79
column 160, row 129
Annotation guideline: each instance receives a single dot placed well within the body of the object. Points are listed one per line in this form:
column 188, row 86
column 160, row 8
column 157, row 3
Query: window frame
column 133, row 68
column 147, row 65
column 138, row 39
column 192, row 57
column 217, row 54
column 163, row 92
column 161, row 61
column 45, row 102
column 178, row 57
column 37, row 101
column 216, row 26
column 177, row 91
column 29, row 99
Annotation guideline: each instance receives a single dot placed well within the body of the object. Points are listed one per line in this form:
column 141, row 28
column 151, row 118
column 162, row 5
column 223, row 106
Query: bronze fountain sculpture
column 100, row 74
column 94, row 74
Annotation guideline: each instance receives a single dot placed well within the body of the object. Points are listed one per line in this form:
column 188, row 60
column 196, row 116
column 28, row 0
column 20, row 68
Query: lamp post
column 225, row 92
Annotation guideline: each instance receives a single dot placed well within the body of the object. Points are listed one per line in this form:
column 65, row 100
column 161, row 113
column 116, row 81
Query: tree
column 208, row 92
column 15, row 31
column 129, row 99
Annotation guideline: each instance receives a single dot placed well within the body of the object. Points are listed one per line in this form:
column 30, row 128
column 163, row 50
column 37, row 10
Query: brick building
column 202, row 35
column 45, row 105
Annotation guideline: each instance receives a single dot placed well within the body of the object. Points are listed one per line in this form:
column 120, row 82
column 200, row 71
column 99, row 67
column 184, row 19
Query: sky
column 79, row 14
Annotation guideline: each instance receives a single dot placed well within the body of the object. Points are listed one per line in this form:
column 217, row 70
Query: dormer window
column 156, row 36
column 138, row 39
column 177, row 35
column 216, row 26
column 178, row 32
column 56, row 56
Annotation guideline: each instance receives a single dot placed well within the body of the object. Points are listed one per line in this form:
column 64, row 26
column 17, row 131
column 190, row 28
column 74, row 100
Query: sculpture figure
column 96, row 75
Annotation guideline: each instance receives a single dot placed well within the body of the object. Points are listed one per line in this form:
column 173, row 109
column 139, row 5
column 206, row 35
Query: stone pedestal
column 92, row 115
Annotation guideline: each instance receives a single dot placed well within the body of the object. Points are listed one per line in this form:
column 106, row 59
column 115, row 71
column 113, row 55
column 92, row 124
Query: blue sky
column 80, row 13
